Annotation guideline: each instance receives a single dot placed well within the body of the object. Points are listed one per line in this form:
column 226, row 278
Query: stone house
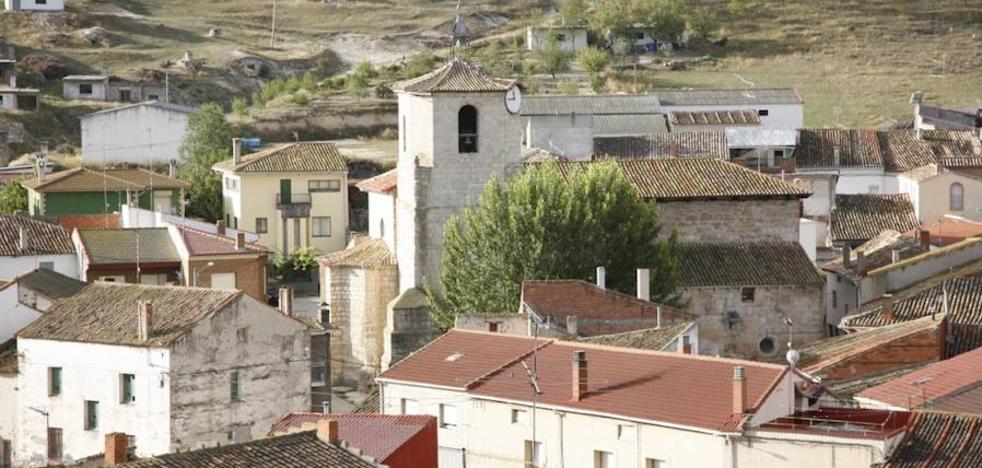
column 24, row 298
column 570, row 39
column 135, row 134
column 604, row 406
column 745, row 293
column 293, row 196
column 109, row 88
column 28, row 243
column 175, row 368
column 92, row 191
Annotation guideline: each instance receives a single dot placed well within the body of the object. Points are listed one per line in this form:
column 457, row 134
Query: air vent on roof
column 453, row 357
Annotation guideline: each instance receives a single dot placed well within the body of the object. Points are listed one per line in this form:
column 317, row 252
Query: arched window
column 956, row 197
column 467, row 129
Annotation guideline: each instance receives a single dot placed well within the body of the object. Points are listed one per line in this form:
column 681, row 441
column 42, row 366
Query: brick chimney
column 22, row 240
column 886, row 307
column 327, row 431
column 240, row 241
column 924, row 236
column 601, row 277
column 220, row 227
column 146, row 320
column 644, row 284
column 739, row 390
column 846, row 256
column 836, row 156
column 684, row 345
column 286, row 300
column 572, row 325
column 579, row 375
column 116, row 449
column 236, row 151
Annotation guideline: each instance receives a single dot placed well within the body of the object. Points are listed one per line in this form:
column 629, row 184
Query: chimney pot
column 894, row 256
column 601, row 277
column 22, row 239
column 739, row 390
column 145, row 313
column 846, row 256
column 886, row 307
column 327, row 431
column 836, row 156
column 236, row 151
column 286, row 300
column 220, row 227
column 116, row 448
column 644, row 284
column 924, row 236
column 579, row 375
column 572, row 325
column 239, row 241
column 658, row 317
column 860, row 261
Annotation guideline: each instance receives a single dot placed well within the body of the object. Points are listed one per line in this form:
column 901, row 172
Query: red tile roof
column 668, row 387
column 939, row 440
column 376, row 435
column 924, row 386
column 206, row 243
column 382, row 183
column 950, row 229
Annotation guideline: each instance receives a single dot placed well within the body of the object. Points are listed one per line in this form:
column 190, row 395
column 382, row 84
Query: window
column 321, row 226
column 835, row 299
column 603, row 459
column 153, row 97
column 5, row 455
column 84, row 88
column 655, row 463
column 262, row 226
column 448, row 416
column 40, row 2
column 54, row 381
column 113, row 279
column 956, row 197
column 126, row 394
column 54, row 444
column 493, row 327
column 626, row 432
column 47, row 266
column 242, row 335
column 91, row 415
column 767, row 345
column 333, row 185
column 318, row 375
column 125, row 95
column 763, row 112
column 467, row 129
column 233, row 387
column 4, row 137
column 409, row 406
column 747, row 294
column 533, row 454
column 519, row 416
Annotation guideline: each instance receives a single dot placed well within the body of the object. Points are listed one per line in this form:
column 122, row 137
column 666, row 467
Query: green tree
column 240, row 106
column 552, row 58
column 13, row 197
column 663, row 19
column 573, row 12
column 542, row 225
column 611, row 16
column 703, row 22
column 567, row 87
column 594, row 61
column 208, row 141
column 420, row 64
column 360, row 78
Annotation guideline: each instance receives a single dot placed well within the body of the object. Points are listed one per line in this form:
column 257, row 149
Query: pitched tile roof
column 365, row 253
column 856, row 148
column 719, row 117
column 861, row 217
column 745, row 264
column 930, row 384
column 904, row 150
column 371, row 404
column 42, row 237
column 107, row 313
column 734, row 97
column 88, row 180
column 939, row 440
column 673, row 179
column 49, row 283
column 877, row 252
column 376, row 435
column 710, row 144
column 559, row 299
column 604, row 104
column 692, row 391
column 456, row 76
column 206, row 243
column 299, row 450
column 950, row 229
column 307, row 156
column 654, row 339
column 146, row 245
column 954, row 250
column 382, row 183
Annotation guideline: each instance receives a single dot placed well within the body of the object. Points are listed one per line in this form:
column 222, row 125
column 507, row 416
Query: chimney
column 579, row 375
column 658, row 317
column 685, row 345
column 146, row 320
column 894, row 256
column 846, row 256
column 886, row 307
column 236, row 151
column 860, row 261
column 836, row 156
column 22, row 239
column 239, row 241
column 644, row 284
column 924, row 236
column 286, row 300
column 116, row 449
column 572, row 325
column 601, row 277
column 220, row 227
column 327, row 431
column 172, row 169
column 739, row 390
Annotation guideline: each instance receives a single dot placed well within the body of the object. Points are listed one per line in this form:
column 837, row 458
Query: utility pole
column 272, row 35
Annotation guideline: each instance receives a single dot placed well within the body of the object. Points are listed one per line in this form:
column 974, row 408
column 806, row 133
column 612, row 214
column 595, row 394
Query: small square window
column 519, row 416
column 321, row 226
column 747, row 294
column 763, row 112
column 448, row 416
column 262, row 226
column 242, row 335
column 333, row 185
column 409, row 406
column 85, row 88
column 626, row 432
column 91, row 415
column 602, row 459
column 655, row 463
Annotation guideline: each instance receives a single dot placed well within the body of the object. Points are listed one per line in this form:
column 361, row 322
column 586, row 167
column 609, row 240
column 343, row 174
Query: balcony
column 293, row 205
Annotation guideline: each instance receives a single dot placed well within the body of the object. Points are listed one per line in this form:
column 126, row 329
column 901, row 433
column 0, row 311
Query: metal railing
column 293, row 199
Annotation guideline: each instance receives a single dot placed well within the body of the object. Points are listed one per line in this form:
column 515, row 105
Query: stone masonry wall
column 731, row 220
column 358, row 299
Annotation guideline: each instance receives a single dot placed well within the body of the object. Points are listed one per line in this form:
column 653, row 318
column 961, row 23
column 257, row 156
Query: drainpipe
column 562, row 446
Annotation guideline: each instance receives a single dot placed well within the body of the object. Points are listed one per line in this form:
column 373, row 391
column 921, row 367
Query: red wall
column 418, row 452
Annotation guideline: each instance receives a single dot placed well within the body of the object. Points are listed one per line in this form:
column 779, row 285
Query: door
column 285, row 190
column 223, row 280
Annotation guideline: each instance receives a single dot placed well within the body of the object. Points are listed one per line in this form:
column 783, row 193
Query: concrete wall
column 382, row 218
column 130, row 217
column 509, row 324
column 11, row 267
column 931, row 196
column 91, row 372
column 568, row 135
column 249, row 270
column 72, row 90
column 909, row 272
column 776, row 449
column 32, row 5
column 779, row 115
column 763, row 317
column 135, row 135
column 13, row 314
column 274, row 376
column 731, row 220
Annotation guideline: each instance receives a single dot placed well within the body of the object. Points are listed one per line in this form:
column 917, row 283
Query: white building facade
column 34, row 5
column 138, row 134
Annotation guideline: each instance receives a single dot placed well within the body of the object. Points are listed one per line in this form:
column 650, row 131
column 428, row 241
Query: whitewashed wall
column 138, row 134
column 381, row 218
column 33, row 5
column 11, row 267
column 131, row 217
column 13, row 314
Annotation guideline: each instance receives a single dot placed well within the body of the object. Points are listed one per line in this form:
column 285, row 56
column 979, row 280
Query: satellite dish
column 793, row 357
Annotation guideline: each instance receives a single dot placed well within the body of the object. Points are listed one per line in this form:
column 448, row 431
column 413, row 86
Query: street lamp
column 194, row 272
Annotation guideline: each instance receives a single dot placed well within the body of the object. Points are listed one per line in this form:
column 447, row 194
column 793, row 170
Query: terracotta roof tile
column 654, row 339
column 376, row 435
column 877, row 252
column 382, row 183
column 106, row 313
column 745, row 264
column 861, row 217
column 299, row 450
column 308, row 156
column 146, row 245
column 819, row 355
column 456, row 76
column 89, row 180
column 950, row 229
column 930, row 384
column 723, row 117
column 710, row 144
column 50, row 284
column 939, row 440
column 365, row 253
column 42, row 238
column 856, row 148
column 903, row 150
column 206, row 243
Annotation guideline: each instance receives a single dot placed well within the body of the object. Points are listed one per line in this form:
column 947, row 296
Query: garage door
column 223, row 280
